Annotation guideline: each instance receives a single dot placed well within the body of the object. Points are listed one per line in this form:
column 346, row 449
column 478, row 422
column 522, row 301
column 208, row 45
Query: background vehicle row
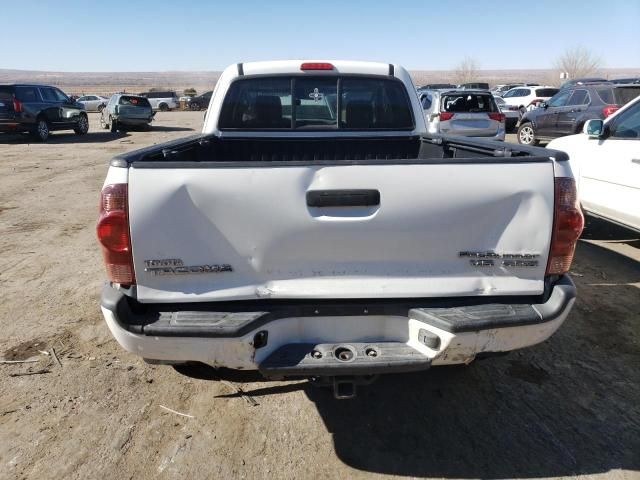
column 567, row 111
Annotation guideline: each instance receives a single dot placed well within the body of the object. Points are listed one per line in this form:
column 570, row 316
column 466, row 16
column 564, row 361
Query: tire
column 103, row 124
column 195, row 106
column 83, row 125
column 527, row 135
column 163, row 107
column 42, row 129
column 113, row 125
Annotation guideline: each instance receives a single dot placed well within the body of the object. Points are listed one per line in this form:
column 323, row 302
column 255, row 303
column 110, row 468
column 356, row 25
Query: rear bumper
column 300, row 338
column 134, row 122
column 11, row 125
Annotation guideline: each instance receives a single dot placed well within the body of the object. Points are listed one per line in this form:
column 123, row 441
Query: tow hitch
column 344, row 387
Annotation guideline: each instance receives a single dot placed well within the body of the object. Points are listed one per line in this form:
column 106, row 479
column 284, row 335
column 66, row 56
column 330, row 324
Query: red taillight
column 567, row 226
column 17, row 106
column 498, row 117
column 444, row 116
column 606, row 111
column 316, row 66
column 113, row 234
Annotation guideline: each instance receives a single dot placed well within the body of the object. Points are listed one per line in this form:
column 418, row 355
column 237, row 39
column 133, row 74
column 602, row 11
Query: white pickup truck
column 314, row 229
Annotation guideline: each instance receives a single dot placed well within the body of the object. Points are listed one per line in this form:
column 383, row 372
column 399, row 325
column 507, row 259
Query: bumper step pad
column 305, row 359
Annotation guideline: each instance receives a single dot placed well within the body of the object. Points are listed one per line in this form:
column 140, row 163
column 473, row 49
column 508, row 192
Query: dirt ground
column 568, row 407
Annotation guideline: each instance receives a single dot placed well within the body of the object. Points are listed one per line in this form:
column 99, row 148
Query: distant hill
column 109, row 82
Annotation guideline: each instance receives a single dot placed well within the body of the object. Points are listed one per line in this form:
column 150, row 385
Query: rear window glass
column 134, row 101
column 6, row 94
column 471, row 103
column 27, row 94
column 625, row 95
column 318, row 103
column 546, row 92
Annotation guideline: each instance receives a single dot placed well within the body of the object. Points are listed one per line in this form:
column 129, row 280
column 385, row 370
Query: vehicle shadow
column 64, row 138
column 164, row 128
column 599, row 229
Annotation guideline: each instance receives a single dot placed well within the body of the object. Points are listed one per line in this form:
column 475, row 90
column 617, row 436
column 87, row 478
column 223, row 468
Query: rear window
column 134, row 101
column 27, row 94
column 465, row 102
column 6, row 94
column 317, row 103
column 546, row 92
column 625, row 95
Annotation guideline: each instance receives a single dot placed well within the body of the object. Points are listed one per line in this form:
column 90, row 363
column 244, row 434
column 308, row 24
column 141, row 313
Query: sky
column 146, row 35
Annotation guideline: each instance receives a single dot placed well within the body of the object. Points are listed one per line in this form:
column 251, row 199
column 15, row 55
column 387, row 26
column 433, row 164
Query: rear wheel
column 113, row 125
column 83, row 125
column 195, row 106
column 163, row 107
column 103, row 124
column 42, row 129
column 527, row 135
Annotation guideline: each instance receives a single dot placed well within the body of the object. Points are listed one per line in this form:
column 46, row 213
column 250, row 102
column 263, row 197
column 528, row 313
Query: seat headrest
column 359, row 114
column 268, row 109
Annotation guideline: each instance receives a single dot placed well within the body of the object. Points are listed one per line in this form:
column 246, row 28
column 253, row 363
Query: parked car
column 437, row 86
column 93, row 103
column 298, row 278
column 199, row 102
column 472, row 113
column 582, row 81
column 605, row 160
column 526, row 98
column 126, row 111
column 39, row 109
column 500, row 90
column 474, row 86
column 626, row 80
column 567, row 111
column 511, row 113
column 163, row 101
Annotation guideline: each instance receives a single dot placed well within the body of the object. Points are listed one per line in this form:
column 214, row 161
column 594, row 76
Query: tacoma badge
column 175, row 266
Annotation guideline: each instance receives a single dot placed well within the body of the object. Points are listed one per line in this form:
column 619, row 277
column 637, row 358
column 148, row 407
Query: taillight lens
column 113, row 234
column 567, row 226
column 444, row 116
column 316, row 66
column 606, row 111
column 17, row 106
column 498, row 117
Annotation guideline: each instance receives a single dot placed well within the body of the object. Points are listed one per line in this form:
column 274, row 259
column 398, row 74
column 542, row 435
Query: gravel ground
column 568, row 407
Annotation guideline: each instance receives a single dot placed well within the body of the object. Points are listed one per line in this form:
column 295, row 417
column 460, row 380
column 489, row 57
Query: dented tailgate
column 459, row 229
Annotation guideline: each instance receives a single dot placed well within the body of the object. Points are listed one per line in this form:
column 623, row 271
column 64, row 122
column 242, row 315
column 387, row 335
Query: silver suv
column 471, row 113
column 163, row 101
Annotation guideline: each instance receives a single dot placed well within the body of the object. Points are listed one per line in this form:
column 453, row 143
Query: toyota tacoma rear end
column 314, row 229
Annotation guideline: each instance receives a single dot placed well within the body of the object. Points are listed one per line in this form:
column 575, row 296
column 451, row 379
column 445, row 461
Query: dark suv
column 199, row 102
column 566, row 112
column 39, row 109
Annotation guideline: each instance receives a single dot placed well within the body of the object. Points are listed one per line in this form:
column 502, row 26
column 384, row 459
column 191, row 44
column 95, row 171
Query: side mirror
column 593, row 128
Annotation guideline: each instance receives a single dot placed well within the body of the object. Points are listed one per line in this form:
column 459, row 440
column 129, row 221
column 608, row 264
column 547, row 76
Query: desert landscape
column 105, row 83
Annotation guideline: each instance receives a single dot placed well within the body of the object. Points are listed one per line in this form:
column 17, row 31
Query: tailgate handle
column 343, row 198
